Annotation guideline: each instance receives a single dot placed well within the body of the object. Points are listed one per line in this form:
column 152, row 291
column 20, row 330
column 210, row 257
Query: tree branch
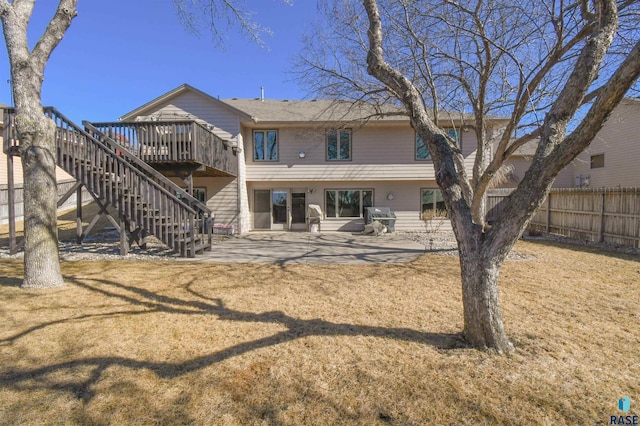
column 54, row 32
column 456, row 191
column 552, row 155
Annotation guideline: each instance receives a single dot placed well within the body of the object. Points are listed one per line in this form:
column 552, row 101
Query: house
column 295, row 153
column 520, row 162
column 609, row 161
column 258, row 164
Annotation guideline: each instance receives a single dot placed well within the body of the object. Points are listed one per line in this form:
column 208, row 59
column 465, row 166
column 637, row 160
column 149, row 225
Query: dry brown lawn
column 198, row 343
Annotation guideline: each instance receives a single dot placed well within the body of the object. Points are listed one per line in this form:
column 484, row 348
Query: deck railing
column 173, row 142
column 151, row 202
column 153, row 174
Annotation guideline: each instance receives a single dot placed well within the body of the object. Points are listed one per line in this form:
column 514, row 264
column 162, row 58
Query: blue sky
column 119, row 54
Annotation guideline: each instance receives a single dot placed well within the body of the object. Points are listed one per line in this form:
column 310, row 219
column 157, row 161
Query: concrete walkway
column 313, row 248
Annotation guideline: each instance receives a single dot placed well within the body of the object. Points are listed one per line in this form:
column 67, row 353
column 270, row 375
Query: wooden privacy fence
column 63, row 187
column 610, row 215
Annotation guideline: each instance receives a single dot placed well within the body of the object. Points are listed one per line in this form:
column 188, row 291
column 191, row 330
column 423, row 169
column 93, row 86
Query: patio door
column 279, row 209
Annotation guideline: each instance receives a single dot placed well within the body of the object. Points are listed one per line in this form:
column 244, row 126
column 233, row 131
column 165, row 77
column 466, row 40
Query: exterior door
column 262, row 209
column 298, row 210
column 279, row 209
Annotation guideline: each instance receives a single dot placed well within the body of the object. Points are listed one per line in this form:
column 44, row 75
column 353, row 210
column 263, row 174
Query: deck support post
column 124, row 241
column 79, row 215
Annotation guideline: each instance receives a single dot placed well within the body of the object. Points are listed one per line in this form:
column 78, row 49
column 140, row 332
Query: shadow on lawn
column 295, row 329
column 10, row 282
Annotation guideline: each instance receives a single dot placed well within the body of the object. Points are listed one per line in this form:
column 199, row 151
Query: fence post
column 601, row 232
column 637, row 213
column 548, row 224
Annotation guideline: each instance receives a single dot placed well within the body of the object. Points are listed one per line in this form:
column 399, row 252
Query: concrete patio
column 313, row 248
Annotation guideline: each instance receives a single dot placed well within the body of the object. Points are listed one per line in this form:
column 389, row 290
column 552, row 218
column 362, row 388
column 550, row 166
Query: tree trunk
column 483, row 327
column 36, row 133
column 37, row 136
column 41, row 260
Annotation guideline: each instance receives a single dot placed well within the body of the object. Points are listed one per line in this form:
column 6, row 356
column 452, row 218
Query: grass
column 198, row 343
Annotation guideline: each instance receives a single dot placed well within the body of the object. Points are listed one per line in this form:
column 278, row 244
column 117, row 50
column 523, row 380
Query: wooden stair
column 147, row 202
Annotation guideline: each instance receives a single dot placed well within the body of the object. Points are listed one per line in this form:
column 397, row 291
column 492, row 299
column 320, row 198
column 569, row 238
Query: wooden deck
column 175, row 147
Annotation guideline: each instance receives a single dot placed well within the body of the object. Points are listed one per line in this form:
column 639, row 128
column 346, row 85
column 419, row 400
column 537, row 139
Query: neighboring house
column 61, row 175
column 521, row 160
column 611, row 160
column 295, row 153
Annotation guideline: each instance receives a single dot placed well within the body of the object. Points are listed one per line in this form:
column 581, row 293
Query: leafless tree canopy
column 552, row 70
column 484, row 58
column 219, row 17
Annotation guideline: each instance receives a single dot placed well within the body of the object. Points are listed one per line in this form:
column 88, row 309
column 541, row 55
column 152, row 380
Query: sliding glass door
column 279, row 209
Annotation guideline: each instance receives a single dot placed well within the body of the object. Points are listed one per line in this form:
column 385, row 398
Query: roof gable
column 182, row 89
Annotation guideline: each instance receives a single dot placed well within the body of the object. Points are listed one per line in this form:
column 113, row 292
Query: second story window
column 265, row 145
column 597, row 161
column 422, row 152
column 339, row 145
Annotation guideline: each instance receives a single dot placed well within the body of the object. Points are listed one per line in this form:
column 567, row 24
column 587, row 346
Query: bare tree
column 554, row 70
column 37, row 133
column 220, row 15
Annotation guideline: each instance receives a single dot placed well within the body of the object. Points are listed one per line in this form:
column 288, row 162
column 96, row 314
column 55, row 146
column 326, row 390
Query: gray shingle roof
column 290, row 111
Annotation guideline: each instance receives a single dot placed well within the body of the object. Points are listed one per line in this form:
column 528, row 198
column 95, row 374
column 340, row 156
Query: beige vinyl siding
column 565, row 178
column 619, row 141
column 193, row 106
column 224, row 201
column 378, row 152
column 222, row 197
column 405, row 203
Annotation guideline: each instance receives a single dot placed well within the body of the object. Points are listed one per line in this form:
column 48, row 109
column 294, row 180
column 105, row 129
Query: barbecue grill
column 383, row 215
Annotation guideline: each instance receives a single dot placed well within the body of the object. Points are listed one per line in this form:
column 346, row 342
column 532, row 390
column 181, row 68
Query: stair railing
column 113, row 178
column 204, row 216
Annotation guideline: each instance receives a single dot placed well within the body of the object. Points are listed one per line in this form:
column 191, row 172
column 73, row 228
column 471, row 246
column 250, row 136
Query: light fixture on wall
column 390, row 196
column 311, row 190
column 302, row 154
